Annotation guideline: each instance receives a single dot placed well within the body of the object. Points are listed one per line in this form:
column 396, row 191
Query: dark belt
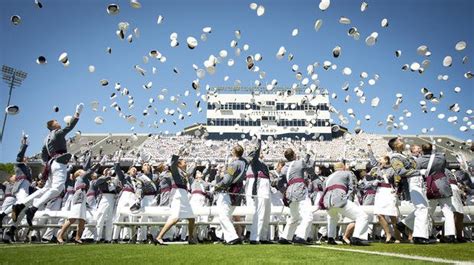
column 198, row 192
column 165, row 190
column 70, row 191
column 385, row 185
column 18, row 178
column 149, row 194
column 368, row 192
column 336, row 186
column 80, row 187
column 179, row 186
column 452, row 181
column 8, row 195
column 294, row 181
column 332, row 187
column 127, row 189
column 260, row 175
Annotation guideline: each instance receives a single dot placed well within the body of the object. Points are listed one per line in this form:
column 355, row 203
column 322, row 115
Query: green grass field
column 221, row 254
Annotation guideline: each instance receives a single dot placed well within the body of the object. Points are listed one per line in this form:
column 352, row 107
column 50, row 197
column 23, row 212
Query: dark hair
column 289, row 154
column 49, row 124
column 427, row 148
column 387, row 158
column 238, row 150
column 391, row 143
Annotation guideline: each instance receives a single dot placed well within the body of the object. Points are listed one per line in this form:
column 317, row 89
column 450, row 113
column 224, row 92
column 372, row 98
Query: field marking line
column 397, row 255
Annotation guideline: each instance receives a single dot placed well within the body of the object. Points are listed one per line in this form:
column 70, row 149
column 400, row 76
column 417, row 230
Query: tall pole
column 8, row 104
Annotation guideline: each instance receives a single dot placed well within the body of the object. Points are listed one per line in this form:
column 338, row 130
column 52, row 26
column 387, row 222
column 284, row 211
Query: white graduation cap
column 371, row 39
column 363, row 6
column 104, row 82
column 253, row 6
column 135, row 4
column 447, row 61
column 12, row 109
column 317, row 24
column 260, row 10
column 375, row 102
column 38, row 4
column 159, row 20
column 294, row 32
column 41, row 60
column 63, row 58
column 336, row 51
column 113, row 9
column 468, row 75
column 346, row 71
column 16, row 20
column 384, row 23
column 99, row 120
column 55, row 108
column 91, row 68
column 324, row 4
column 344, row 20
column 457, row 89
column 139, row 70
column 461, row 45
column 192, row 42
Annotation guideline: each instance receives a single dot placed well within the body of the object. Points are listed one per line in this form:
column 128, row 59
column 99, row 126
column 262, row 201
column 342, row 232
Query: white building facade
column 281, row 112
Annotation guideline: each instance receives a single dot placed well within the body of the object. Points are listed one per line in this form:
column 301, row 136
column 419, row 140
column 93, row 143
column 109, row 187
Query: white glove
column 79, row 108
column 423, row 172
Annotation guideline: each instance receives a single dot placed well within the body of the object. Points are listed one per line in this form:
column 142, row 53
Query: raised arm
column 21, row 153
column 74, row 121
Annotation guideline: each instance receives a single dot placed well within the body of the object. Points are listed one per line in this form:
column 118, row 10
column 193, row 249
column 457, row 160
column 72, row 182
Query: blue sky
column 84, row 30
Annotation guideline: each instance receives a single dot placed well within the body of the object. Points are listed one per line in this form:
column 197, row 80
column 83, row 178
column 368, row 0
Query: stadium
column 214, row 132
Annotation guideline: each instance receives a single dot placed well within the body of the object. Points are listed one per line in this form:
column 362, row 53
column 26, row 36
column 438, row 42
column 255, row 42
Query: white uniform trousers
column 300, row 220
column 417, row 220
column 225, row 218
column 104, row 215
column 147, row 200
column 456, row 199
column 259, row 231
column 89, row 231
column 197, row 201
column 276, row 199
column 353, row 212
column 52, row 188
column 126, row 200
column 7, row 204
column 447, row 209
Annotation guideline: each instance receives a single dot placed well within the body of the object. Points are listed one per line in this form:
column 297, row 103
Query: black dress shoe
column 135, row 208
column 266, row 242
column 331, row 241
column 355, row 241
column 9, row 235
column 253, row 242
column 236, row 241
column 448, row 239
column 300, row 241
column 461, row 240
column 2, row 215
column 16, row 210
column 421, row 241
column 30, row 214
column 283, row 241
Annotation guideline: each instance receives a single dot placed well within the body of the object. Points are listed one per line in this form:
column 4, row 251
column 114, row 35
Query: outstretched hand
column 79, row 109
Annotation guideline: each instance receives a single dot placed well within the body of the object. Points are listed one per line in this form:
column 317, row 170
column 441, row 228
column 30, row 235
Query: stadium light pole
column 13, row 78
